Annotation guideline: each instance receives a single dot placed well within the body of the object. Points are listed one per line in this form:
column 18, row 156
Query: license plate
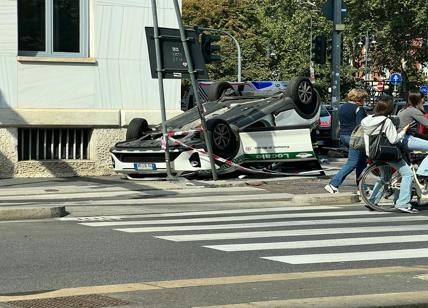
column 144, row 166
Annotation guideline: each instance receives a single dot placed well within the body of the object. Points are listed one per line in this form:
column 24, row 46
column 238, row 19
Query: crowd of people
column 401, row 131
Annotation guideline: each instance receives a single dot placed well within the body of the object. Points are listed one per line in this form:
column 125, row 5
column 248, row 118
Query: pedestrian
column 413, row 115
column 372, row 126
column 350, row 115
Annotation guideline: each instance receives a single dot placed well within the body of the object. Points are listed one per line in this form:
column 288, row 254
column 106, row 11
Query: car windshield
column 324, row 112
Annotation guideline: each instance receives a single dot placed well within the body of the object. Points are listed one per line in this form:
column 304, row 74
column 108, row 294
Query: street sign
column 328, row 9
column 395, row 79
column 173, row 58
column 423, row 89
column 379, row 86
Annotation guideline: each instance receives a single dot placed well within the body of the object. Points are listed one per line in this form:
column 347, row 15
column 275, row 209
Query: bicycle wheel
column 380, row 186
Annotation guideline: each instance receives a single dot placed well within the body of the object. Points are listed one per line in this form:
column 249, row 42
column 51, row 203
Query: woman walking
column 350, row 115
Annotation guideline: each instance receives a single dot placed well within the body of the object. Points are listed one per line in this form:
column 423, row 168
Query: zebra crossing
column 284, row 234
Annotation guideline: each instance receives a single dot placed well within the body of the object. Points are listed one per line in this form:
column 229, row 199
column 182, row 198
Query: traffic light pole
column 191, row 71
column 238, row 48
column 335, row 78
column 161, row 90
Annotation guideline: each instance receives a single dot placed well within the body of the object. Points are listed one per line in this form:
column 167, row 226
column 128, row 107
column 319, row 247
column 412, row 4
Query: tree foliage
column 275, row 35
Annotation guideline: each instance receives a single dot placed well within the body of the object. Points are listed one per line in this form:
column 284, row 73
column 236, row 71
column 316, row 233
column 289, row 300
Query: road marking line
column 204, row 213
column 272, row 224
column 356, row 241
column 366, row 300
column 228, row 218
column 282, row 233
column 352, row 256
column 200, row 282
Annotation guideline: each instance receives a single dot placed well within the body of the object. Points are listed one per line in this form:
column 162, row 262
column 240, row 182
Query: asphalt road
column 311, row 242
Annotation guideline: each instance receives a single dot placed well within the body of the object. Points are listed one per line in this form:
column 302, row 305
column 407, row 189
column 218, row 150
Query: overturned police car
column 247, row 129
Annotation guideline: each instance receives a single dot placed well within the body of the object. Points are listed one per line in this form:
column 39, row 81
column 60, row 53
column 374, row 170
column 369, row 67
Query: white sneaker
column 331, row 189
column 408, row 209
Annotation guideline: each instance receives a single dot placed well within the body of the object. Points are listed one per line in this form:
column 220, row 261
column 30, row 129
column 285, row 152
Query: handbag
column 381, row 149
column 357, row 139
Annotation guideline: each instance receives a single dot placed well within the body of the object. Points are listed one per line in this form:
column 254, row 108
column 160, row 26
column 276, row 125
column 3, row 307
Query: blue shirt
column 349, row 117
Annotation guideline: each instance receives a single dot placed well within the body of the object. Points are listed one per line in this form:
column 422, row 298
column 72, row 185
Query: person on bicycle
column 350, row 115
column 372, row 125
column 413, row 115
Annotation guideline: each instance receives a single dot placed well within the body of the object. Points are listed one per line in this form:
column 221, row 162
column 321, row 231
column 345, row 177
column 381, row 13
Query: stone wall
column 8, row 151
column 98, row 164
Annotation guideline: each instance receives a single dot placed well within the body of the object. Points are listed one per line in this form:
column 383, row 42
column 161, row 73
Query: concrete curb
column 32, row 213
column 252, row 182
column 326, row 199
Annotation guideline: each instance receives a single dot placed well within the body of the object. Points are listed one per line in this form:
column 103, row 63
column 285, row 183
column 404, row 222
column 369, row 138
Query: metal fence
column 53, row 143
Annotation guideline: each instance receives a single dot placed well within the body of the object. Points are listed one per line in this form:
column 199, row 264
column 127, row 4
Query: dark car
column 321, row 136
column 245, row 128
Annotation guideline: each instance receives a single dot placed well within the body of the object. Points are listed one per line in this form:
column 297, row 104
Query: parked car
column 322, row 134
column 245, row 128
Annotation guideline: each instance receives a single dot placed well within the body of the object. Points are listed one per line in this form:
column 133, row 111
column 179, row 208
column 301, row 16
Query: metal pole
column 238, row 48
column 310, row 46
column 366, row 68
column 161, row 89
column 311, row 63
column 195, row 89
column 335, row 80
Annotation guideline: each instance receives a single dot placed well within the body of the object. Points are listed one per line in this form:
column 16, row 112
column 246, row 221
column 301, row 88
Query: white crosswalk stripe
column 202, row 213
column 353, row 256
column 299, row 232
column 344, row 232
column 271, row 224
column 228, row 218
column 321, row 243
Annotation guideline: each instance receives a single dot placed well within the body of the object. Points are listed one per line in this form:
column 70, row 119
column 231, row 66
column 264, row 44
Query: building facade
column 73, row 73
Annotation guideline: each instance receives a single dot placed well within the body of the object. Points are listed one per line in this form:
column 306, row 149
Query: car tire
column 224, row 138
column 304, row 96
column 219, row 89
column 136, row 129
column 302, row 91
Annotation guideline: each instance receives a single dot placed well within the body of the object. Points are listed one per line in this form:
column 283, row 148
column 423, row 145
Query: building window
column 57, row 28
column 53, row 143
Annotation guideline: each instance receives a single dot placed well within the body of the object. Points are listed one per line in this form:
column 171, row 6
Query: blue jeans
column 403, row 198
column 417, row 144
column 356, row 160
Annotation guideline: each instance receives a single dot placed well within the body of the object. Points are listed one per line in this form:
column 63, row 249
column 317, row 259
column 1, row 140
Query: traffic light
column 319, row 49
column 209, row 51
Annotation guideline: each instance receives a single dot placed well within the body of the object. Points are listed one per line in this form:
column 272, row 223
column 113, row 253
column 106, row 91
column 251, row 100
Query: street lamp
column 369, row 39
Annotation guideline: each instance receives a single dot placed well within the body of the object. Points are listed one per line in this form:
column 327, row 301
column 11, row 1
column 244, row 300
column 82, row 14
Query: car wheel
column 219, row 89
column 305, row 97
column 136, row 129
column 302, row 91
column 224, row 138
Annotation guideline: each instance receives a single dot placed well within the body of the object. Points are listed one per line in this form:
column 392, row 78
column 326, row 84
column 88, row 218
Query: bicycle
column 379, row 184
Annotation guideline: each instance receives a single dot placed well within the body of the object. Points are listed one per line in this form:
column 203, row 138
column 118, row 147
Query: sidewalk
column 32, row 198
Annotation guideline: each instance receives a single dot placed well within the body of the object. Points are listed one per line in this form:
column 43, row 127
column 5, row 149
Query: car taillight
column 326, row 123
